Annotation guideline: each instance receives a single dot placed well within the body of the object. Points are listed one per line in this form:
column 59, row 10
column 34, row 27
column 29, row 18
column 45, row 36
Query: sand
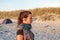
column 43, row 30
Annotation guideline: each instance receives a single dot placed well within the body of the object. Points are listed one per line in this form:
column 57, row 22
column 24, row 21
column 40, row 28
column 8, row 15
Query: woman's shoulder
column 19, row 27
column 20, row 32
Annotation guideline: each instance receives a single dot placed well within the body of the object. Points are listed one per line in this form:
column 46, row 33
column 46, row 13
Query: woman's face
column 28, row 20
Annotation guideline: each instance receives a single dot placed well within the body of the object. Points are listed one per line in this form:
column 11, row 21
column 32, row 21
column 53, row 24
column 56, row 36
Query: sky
column 6, row 5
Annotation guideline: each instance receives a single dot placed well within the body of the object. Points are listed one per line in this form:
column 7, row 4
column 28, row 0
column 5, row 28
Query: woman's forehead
column 30, row 15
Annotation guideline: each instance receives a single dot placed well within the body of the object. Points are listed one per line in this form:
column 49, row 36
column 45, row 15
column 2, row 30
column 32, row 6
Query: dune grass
column 43, row 13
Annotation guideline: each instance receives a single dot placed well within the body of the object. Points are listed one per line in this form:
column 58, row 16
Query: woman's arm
column 20, row 35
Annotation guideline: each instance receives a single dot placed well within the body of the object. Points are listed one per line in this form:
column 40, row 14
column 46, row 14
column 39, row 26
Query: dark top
column 20, row 32
column 27, row 29
column 24, row 26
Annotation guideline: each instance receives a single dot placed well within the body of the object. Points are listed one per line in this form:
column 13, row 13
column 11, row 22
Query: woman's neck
column 25, row 23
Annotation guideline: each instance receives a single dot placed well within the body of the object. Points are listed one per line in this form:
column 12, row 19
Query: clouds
column 26, row 4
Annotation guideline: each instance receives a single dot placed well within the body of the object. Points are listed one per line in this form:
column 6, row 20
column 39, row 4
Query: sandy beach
column 43, row 30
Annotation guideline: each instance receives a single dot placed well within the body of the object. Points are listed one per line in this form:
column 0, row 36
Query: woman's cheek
column 29, row 21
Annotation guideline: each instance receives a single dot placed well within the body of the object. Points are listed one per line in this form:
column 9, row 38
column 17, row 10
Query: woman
column 24, row 26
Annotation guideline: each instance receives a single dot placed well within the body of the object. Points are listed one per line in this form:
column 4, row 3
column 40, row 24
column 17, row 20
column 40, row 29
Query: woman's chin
column 28, row 23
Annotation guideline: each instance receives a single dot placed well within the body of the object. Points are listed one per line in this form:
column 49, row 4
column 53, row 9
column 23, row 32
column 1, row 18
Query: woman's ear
column 24, row 19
